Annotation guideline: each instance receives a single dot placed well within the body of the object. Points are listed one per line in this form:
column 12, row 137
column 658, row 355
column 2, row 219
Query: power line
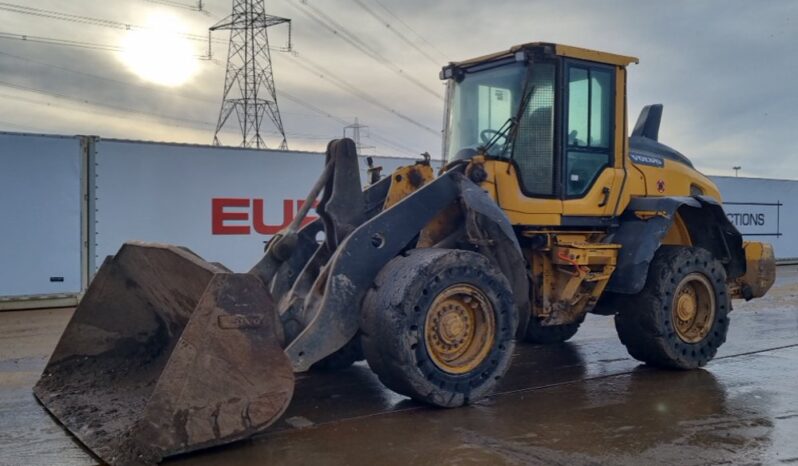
column 388, row 142
column 100, row 104
column 170, row 93
column 62, row 42
column 338, row 82
column 112, row 24
column 325, row 74
column 320, row 71
column 356, row 127
column 395, row 145
column 341, row 83
column 93, row 112
column 195, row 124
column 71, row 43
column 147, row 116
column 301, row 136
column 420, row 37
column 287, row 95
column 200, row 7
column 312, row 107
column 325, row 21
column 396, row 32
column 90, row 20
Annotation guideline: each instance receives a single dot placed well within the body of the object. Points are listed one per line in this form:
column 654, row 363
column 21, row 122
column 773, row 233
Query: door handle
column 606, row 192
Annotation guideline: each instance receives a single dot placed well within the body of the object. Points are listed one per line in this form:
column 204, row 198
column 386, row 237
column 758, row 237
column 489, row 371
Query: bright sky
column 725, row 69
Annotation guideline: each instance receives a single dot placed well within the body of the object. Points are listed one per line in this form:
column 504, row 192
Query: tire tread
column 643, row 320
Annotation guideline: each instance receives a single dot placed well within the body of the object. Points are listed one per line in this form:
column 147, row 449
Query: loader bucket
column 165, row 354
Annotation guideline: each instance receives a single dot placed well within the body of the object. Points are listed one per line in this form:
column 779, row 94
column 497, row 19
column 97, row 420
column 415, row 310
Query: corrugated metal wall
column 67, row 202
column 188, row 195
column 40, row 216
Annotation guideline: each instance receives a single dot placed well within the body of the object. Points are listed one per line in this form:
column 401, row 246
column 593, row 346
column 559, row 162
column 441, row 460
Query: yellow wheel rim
column 693, row 308
column 459, row 329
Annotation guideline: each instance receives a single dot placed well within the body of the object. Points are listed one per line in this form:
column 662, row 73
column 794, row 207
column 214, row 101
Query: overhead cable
column 395, row 31
column 329, row 24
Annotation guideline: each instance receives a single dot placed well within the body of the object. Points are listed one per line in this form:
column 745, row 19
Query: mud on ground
column 585, row 402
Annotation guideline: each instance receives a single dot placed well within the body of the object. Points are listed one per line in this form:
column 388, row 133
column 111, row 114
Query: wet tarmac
column 584, row 402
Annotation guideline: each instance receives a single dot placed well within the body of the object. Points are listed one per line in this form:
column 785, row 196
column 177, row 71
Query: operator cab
column 555, row 113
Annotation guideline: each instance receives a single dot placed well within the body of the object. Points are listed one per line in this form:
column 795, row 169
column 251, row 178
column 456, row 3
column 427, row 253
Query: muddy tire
column 351, row 353
column 549, row 334
column 680, row 318
column 439, row 326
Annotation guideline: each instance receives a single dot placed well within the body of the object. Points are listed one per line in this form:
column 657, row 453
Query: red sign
column 239, row 216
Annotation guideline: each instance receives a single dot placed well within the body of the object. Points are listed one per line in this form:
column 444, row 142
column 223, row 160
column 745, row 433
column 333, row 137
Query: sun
column 160, row 52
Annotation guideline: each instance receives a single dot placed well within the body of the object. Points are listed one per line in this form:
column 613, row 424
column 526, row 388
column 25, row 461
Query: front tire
column 439, row 326
column 680, row 318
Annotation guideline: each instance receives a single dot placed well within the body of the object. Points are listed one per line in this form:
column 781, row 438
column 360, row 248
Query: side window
column 588, row 128
column 533, row 150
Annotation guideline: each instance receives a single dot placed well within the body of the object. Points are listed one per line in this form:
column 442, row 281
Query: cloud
column 724, row 70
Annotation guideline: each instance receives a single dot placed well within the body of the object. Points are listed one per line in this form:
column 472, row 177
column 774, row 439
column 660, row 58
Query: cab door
column 592, row 141
column 527, row 185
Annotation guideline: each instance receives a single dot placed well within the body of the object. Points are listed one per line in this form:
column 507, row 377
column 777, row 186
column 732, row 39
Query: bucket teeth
column 166, row 354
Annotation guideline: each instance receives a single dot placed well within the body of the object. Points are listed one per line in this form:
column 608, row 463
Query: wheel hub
column 459, row 329
column 693, row 308
column 454, row 325
column 686, row 305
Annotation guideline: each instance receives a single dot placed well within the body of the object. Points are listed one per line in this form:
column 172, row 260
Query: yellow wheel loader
column 543, row 211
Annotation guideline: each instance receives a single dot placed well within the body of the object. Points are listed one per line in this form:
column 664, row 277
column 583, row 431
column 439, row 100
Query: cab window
column 588, row 126
column 480, row 105
column 534, row 145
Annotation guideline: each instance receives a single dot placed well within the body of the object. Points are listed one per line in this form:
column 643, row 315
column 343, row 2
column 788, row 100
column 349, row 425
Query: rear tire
column 439, row 326
column 549, row 334
column 680, row 318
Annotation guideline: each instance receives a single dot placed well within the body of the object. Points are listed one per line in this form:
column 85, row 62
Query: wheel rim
column 693, row 308
column 459, row 328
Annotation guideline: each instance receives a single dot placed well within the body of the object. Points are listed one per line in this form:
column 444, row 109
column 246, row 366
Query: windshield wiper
column 501, row 132
column 509, row 129
column 516, row 120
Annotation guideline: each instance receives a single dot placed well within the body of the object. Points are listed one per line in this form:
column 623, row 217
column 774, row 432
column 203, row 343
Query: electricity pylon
column 355, row 128
column 249, row 90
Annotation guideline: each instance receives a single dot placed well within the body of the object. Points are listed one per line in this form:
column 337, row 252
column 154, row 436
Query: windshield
column 479, row 106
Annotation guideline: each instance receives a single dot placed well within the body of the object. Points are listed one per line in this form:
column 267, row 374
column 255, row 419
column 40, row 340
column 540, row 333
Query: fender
column 641, row 237
column 333, row 307
column 333, row 315
column 487, row 222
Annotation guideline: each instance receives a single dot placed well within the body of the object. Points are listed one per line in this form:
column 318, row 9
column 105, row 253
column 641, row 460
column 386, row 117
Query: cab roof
column 548, row 48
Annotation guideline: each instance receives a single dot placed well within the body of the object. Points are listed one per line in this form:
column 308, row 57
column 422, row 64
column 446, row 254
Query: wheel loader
column 543, row 211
